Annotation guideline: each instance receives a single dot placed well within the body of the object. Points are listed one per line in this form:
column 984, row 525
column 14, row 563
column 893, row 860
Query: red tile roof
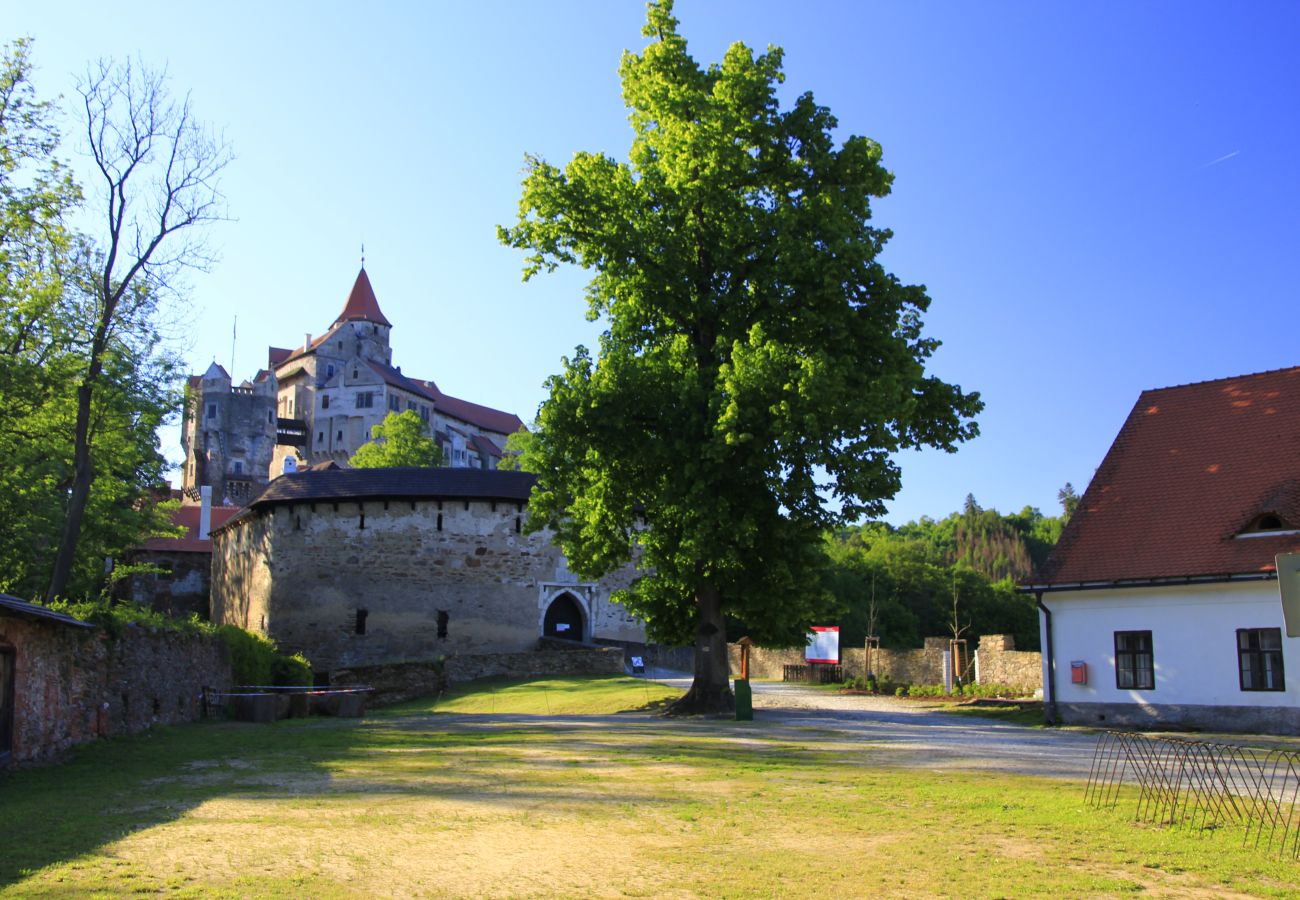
column 484, row 417
column 277, row 355
column 395, row 378
column 188, row 518
column 1192, row 467
column 362, row 303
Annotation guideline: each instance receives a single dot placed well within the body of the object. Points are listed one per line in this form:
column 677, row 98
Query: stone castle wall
column 302, row 573
column 72, row 685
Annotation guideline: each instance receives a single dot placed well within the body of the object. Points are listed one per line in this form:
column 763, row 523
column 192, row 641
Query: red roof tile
column 277, row 355
column 484, row 417
column 362, row 303
column 1192, row 467
column 188, row 518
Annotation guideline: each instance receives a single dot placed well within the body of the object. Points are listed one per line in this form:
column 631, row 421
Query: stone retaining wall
column 398, row 682
column 996, row 662
column 73, row 685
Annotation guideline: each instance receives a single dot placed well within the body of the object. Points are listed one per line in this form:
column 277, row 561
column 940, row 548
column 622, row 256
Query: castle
column 315, row 404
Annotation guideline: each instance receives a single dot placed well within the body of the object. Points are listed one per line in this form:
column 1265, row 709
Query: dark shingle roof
column 32, row 611
column 403, row 483
column 1192, row 466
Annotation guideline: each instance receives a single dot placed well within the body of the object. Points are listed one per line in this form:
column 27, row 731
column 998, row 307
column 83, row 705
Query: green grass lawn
column 417, row 801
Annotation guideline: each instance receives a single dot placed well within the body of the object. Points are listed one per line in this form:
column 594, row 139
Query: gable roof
column 362, row 303
column 1192, row 467
column 484, row 417
column 395, row 378
column 187, row 517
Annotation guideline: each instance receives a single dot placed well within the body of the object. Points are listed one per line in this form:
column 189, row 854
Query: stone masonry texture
column 74, row 685
column 368, row 582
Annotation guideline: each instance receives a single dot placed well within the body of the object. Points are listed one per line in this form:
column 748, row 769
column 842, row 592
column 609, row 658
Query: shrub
column 901, row 690
column 291, row 670
column 251, row 655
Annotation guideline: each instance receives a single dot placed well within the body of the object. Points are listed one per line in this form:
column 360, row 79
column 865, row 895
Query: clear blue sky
column 1100, row 197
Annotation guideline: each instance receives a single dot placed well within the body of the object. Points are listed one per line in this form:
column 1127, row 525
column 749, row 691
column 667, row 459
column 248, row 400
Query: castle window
column 325, row 402
column 212, row 410
column 394, row 402
column 442, row 623
column 424, row 413
column 340, row 437
column 238, row 467
column 270, row 417
column 410, row 404
column 365, row 400
column 320, row 437
column 329, row 371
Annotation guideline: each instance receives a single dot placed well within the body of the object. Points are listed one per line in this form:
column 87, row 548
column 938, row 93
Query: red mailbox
column 1078, row 672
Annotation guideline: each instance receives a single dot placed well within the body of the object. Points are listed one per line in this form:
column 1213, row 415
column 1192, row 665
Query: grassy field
column 480, row 794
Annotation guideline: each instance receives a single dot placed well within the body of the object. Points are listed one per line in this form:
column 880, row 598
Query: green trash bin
column 744, row 701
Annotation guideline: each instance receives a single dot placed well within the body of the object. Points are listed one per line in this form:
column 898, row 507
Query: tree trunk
column 710, row 692
column 82, row 476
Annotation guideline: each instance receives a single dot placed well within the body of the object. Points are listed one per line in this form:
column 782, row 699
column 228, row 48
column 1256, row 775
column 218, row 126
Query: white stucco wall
column 1193, row 637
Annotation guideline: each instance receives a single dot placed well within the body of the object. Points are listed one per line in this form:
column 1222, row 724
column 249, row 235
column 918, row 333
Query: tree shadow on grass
column 114, row 789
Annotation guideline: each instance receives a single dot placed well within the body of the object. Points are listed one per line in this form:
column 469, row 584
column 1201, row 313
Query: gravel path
column 898, row 732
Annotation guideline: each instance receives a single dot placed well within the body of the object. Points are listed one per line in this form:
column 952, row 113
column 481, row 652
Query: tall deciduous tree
column 759, row 368
column 158, row 170
column 399, row 440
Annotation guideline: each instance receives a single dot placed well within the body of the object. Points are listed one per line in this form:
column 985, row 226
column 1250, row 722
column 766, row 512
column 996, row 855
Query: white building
column 1160, row 603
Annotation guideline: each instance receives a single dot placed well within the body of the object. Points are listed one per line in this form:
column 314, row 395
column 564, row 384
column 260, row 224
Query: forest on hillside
column 931, row 577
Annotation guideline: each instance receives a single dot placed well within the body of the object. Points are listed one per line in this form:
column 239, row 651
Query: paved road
column 897, row 732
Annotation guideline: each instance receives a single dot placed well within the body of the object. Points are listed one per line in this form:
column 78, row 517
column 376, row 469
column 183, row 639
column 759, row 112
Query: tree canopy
column 759, row 366
column 50, row 280
column 399, row 440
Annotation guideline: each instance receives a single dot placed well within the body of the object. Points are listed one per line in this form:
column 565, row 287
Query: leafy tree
column 518, row 455
column 158, row 182
column 1069, row 500
column 399, row 440
column 44, row 335
column 758, row 360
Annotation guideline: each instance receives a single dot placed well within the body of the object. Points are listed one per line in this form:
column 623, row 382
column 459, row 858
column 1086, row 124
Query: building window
column 212, row 410
column 239, row 468
column 325, row 402
column 320, row 437
column 340, row 437
column 291, row 407
column 394, row 402
column 365, row 400
column 329, row 371
column 1135, row 667
column 442, row 623
column 410, row 404
column 360, row 626
column 424, row 413
column 1259, row 659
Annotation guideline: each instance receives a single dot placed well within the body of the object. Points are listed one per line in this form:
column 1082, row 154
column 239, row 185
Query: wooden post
column 745, row 643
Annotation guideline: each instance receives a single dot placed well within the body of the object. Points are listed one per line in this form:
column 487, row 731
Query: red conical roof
column 362, row 303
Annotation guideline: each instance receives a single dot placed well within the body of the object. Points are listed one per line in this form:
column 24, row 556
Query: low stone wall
column 996, row 662
column 73, row 685
column 578, row 661
column 399, row 682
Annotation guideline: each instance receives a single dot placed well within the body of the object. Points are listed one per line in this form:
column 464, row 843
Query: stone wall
column 432, row 577
column 997, row 661
column 408, row 681
column 180, row 590
column 73, row 685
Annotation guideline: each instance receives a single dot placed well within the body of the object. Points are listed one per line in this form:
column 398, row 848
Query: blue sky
column 1100, row 197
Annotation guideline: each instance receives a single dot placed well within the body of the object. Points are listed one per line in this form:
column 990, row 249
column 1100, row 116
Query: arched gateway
column 563, row 619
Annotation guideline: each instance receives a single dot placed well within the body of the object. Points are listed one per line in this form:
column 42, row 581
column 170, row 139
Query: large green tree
column 47, row 318
column 399, row 440
column 759, row 366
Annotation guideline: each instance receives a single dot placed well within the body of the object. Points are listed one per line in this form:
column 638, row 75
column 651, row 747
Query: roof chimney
column 205, row 511
column 306, row 342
